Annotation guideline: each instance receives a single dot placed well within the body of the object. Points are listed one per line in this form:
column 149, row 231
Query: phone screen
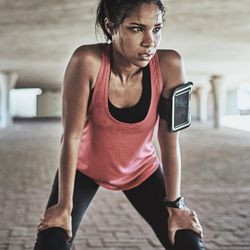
column 181, row 116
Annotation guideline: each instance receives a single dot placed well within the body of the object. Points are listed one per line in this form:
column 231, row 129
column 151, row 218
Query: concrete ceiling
column 37, row 38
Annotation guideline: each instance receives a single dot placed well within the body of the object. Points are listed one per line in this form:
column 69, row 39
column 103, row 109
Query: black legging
column 147, row 198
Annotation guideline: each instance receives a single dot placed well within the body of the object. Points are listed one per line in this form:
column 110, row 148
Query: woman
column 110, row 97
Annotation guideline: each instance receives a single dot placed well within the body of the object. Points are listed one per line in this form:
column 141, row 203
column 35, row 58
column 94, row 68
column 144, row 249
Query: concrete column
column 7, row 82
column 202, row 94
column 218, row 91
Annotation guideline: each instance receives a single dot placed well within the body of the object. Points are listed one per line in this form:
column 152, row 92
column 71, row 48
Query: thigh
column 84, row 191
column 147, row 199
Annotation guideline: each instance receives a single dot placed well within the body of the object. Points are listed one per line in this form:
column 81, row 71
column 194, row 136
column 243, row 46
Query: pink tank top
column 118, row 155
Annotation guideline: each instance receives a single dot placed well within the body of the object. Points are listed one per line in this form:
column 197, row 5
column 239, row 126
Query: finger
column 197, row 224
column 201, row 234
column 171, row 235
column 40, row 223
column 194, row 216
column 195, row 219
column 69, row 234
column 42, row 217
column 200, row 231
column 193, row 212
column 42, row 227
column 197, row 229
column 42, row 220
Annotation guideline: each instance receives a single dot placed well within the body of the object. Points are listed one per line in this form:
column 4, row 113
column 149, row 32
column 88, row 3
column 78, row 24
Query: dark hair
column 118, row 10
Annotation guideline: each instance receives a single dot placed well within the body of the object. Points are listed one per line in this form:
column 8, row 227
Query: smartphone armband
column 176, row 109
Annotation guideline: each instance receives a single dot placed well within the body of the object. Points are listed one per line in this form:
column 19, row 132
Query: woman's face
column 138, row 37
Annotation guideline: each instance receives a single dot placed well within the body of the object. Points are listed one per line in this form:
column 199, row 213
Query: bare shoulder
column 88, row 53
column 169, row 57
column 172, row 69
column 87, row 59
column 78, row 79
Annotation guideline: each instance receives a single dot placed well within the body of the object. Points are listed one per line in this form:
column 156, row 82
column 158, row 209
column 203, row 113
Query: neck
column 122, row 68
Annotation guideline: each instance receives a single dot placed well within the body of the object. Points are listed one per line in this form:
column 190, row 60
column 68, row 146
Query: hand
column 182, row 218
column 56, row 216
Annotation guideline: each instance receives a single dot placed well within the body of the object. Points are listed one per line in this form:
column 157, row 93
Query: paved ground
column 216, row 173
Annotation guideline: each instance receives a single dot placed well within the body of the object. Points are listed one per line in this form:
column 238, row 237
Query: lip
column 146, row 56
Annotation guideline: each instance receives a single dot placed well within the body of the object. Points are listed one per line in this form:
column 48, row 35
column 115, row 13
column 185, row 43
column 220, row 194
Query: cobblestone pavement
column 216, row 183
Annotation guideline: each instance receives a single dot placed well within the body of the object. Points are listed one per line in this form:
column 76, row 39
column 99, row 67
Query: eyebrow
column 143, row 25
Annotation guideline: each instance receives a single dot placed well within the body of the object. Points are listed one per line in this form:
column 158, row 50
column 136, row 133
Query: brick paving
column 215, row 182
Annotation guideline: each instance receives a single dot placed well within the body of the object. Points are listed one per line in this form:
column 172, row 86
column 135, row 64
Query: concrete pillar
column 7, row 82
column 218, row 91
column 202, row 94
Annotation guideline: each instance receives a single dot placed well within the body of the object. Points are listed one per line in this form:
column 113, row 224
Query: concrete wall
column 231, row 103
column 49, row 104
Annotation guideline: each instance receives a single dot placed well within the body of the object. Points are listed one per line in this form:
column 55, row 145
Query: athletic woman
column 111, row 95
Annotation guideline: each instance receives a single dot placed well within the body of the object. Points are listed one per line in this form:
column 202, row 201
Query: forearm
column 67, row 170
column 172, row 182
column 172, row 174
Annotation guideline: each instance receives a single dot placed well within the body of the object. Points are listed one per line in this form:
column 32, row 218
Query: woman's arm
column 76, row 89
column 79, row 77
column 75, row 94
column 173, row 74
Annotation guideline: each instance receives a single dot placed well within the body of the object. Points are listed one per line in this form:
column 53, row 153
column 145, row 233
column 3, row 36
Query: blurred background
column 37, row 39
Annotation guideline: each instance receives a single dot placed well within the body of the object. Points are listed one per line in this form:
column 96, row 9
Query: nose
column 148, row 41
column 150, row 44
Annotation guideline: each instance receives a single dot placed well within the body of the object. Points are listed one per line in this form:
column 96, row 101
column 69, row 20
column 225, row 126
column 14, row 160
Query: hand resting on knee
column 56, row 216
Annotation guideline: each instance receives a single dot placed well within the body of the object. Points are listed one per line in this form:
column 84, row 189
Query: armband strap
column 164, row 108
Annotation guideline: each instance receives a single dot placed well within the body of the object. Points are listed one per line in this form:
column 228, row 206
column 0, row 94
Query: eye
column 136, row 29
column 157, row 29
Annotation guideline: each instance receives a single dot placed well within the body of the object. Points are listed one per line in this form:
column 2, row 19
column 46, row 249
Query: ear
column 109, row 26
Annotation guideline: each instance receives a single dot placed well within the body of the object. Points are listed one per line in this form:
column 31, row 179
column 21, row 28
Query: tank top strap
column 102, row 77
column 156, row 70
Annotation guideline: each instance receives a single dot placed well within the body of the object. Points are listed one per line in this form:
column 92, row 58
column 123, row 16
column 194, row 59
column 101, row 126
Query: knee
column 188, row 240
column 54, row 238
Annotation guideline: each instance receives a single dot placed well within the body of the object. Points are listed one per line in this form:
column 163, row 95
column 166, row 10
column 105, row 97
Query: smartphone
column 180, row 113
